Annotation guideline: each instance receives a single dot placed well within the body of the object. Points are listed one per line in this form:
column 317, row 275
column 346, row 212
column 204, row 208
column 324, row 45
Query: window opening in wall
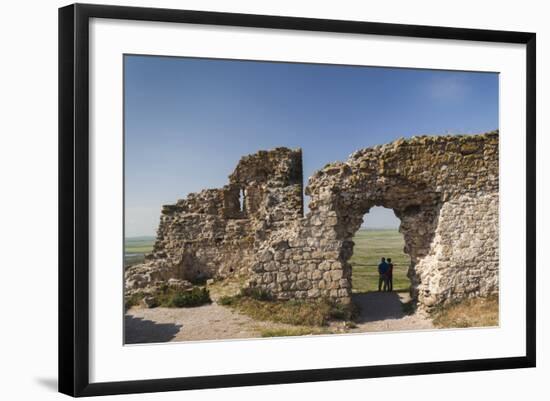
column 241, row 200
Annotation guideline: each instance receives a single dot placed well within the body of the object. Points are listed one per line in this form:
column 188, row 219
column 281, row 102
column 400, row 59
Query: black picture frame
column 74, row 198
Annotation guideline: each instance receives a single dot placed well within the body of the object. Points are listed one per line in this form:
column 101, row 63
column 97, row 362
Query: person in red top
column 390, row 275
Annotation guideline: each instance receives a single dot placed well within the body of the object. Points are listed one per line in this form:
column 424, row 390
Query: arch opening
column 379, row 237
column 410, row 252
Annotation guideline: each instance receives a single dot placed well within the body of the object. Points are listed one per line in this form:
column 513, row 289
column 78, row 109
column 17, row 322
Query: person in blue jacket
column 383, row 269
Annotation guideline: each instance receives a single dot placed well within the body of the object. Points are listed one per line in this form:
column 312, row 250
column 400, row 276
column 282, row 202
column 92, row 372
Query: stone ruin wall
column 445, row 192
column 214, row 233
column 444, row 189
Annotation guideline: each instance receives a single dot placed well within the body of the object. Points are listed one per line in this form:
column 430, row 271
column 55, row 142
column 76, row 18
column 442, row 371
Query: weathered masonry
column 444, row 189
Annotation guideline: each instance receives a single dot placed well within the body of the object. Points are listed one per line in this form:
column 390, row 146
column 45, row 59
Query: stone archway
column 443, row 188
column 405, row 243
column 417, row 207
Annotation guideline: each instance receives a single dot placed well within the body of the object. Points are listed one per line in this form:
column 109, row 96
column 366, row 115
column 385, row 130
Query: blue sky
column 188, row 121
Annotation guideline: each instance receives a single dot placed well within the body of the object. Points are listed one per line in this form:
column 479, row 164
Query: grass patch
column 132, row 300
column 293, row 332
column 259, row 305
column 227, row 300
column 474, row 312
column 171, row 298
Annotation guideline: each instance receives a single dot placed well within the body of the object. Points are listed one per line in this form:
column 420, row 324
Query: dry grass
column 228, row 287
column 475, row 312
column 295, row 312
column 293, row 332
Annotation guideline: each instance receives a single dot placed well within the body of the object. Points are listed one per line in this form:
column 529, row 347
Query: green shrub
column 196, row 297
column 132, row 300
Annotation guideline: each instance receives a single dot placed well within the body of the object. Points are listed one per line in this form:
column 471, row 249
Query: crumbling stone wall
column 213, row 233
column 444, row 189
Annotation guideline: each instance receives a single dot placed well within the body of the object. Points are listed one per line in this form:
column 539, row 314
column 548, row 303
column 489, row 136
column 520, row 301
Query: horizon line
column 360, row 229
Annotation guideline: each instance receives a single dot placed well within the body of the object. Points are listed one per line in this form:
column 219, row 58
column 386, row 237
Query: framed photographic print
column 251, row 199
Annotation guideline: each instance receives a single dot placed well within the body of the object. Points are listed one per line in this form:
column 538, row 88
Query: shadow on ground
column 139, row 331
column 49, row 383
column 377, row 306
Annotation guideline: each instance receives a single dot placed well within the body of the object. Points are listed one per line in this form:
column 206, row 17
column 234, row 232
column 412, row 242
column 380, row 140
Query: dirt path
column 379, row 312
column 206, row 322
column 180, row 324
column 383, row 311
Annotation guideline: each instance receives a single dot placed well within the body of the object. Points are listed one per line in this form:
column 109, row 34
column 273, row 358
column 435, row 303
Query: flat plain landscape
column 135, row 249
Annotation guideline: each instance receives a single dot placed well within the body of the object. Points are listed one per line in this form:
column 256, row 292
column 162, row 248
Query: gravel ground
column 206, row 322
column 379, row 312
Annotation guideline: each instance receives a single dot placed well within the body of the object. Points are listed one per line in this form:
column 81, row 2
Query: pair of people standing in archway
column 385, row 271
